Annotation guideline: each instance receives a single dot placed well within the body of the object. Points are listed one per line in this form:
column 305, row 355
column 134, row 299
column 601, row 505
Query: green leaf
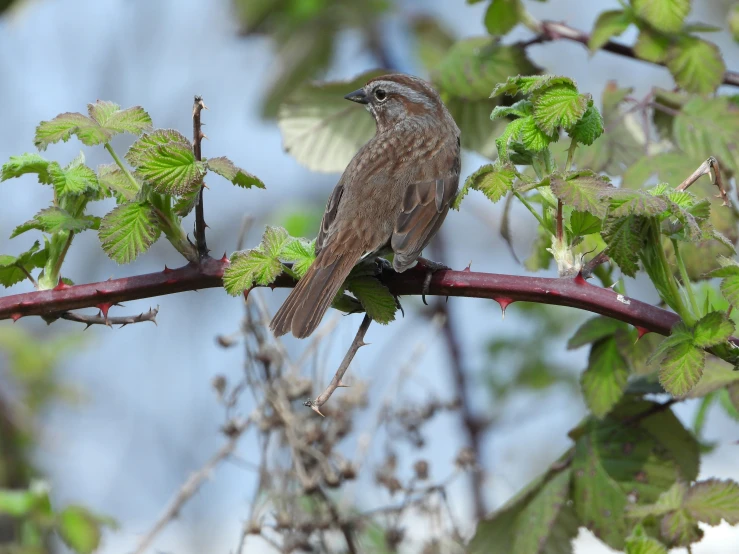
column 10, row 266
column 605, row 379
column 320, row 129
column 63, row 126
column 609, row 24
column 26, row 163
column 644, row 545
column 274, row 240
column 590, row 126
column 502, row 16
column 79, row 529
column 186, row 202
column 301, row 253
column 493, row 180
column 477, row 133
column 664, row 15
column 730, row 282
column 713, row 500
column 680, row 529
column 594, row 329
column 375, row 297
column 708, row 127
column 625, row 202
column 716, row 375
column 171, row 168
column 668, row 501
column 651, row 46
column 112, row 178
column 624, row 237
column 558, row 106
column 696, row 65
column 532, row 136
column 250, row 267
column 18, row 503
column 113, row 119
column 129, row 230
column 75, row 179
column 527, row 84
column 511, row 132
column 681, row 368
column 522, row 108
column 584, row 223
column 734, row 21
column 474, row 66
column 433, row 41
column 712, row 329
column 139, row 150
column 586, row 193
column 51, row 220
column 226, row 168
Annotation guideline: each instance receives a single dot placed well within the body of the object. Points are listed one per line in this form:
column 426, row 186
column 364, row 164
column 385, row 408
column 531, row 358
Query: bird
column 392, row 197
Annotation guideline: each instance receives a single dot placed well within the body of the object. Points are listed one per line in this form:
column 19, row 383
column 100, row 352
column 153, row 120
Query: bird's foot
column 430, row 267
column 382, row 265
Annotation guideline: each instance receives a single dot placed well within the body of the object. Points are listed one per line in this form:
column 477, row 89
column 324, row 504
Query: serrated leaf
column 716, row 375
column 75, row 179
column 493, row 180
column 301, row 253
column 712, row 329
column 63, row 126
column 696, row 65
column 680, row 529
column 502, row 16
column 26, row 163
column 112, row 178
column 79, row 529
column 226, row 168
column 668, row 501
column 604, row 381
column 713, row 500
column 594, row 329
column 558, row 106
column 651, row 46
column 585, row 193
column 635, row 202
column 511, row 132
column 51, row 220
column 320, row 129
column 624, row 237
column 664, row 15
column 681, row 368
column 532, row 137
column 375, row 297
column 11, row 271
column 527, row 84
column 274, row 240
column 113, row 119
column 645, row 545
column 609, row 24
column 186, row 202
column 171, row 168
column 250, row 267
column 139, row 149
column 590, row 126
column 474, row 66
column 522, row 108
column 129, row 230
column 584, row 223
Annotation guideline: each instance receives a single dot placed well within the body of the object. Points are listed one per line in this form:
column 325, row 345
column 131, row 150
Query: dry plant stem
column 193, row 484
column 710, row 166
column 197, row 137
column 100, row 319
column 357, row 343
column 575, row 293
column 552, row 30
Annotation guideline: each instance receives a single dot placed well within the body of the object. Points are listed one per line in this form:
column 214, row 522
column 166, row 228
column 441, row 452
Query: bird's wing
column 332, row 208
column 425, row 205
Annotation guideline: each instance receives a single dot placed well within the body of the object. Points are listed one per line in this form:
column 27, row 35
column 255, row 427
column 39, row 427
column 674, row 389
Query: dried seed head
column 466, row 458
column 219, row 384
column 421, row 467
column 394, row 536
column 348, row 471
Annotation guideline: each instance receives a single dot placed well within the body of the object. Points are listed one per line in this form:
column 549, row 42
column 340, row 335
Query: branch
column 197, row 137
column 551, row 30
column 103, row 319
column 357, row 343
column 193, row 484
column 572, row 292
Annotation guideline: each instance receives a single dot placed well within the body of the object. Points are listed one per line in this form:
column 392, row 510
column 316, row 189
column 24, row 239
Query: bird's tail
column 310, row 299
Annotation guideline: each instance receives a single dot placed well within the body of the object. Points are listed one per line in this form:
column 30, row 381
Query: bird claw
column 431, row 267
column 382, row 265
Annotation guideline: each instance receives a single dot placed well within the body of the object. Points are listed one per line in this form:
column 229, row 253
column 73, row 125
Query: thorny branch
column 357, row 343
column 709, row 167
column 197, row 137
column 103, row 319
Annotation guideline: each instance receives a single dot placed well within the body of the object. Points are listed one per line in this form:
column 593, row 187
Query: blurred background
column 126, row 415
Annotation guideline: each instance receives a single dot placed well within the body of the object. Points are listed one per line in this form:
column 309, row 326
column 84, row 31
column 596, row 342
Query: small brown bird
column 392, row 197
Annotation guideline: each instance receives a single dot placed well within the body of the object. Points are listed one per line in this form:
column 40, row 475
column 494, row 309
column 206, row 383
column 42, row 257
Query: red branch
column 576, row 293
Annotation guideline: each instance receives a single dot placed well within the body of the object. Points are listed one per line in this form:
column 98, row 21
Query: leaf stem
column 530, row 208
column 570, row 155
column 28, row 276
column 123, row 167
column 686, row 279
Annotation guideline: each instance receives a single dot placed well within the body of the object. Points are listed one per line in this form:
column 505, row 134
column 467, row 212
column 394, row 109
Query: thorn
column 504, row 303
column 87, row 326
column 225, row 259
column 469, row 265
column 166, row 269
column 272, row 286
column 641, row 332
column 206, row 225
column 104, row 307
column 15, row 317
column 119, row 305
column 203, row 136
column 361, row 344
column 579, row 279
column 61, row 285
column 98, row 291
column 341, row 384
column 315, row 409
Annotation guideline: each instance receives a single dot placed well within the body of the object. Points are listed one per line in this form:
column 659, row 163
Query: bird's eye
column 380, row 94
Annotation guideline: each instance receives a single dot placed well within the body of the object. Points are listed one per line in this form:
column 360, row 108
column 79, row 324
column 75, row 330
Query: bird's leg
column 382, row 265
column 430, row 267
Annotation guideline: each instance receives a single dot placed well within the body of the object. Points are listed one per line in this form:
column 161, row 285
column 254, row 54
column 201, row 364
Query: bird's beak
column 358, row 96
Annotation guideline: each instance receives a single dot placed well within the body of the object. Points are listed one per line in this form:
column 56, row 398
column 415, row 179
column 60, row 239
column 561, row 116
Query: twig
column 706, row 168
column 552, row 30
column 346, row 528
column 589, row 267
column 357, row 343
column 101, row 319
column 197, row 137
column 193, row 484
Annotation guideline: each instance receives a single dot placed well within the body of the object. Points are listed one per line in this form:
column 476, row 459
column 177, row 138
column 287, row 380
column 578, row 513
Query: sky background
column 147, row 416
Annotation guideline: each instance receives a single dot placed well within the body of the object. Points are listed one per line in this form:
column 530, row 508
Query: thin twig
column 707, row 168
column 590, row 266
column 357, row 343
column 193, row 484
column 100, row 319
column 197, row 137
